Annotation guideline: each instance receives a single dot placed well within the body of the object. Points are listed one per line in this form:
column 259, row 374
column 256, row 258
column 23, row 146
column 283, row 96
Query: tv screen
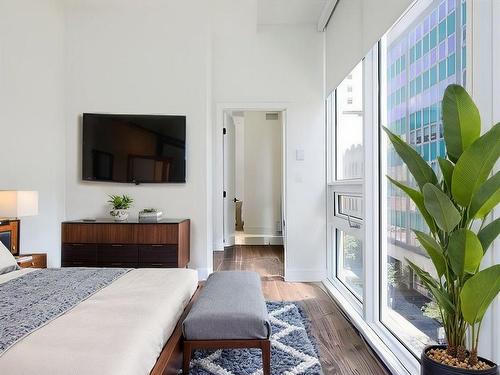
column 134, row 148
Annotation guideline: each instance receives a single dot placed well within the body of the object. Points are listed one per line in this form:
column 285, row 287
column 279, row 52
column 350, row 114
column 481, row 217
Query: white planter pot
column 119, row 215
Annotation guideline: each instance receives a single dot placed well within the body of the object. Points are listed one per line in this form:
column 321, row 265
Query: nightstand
column 32, row 260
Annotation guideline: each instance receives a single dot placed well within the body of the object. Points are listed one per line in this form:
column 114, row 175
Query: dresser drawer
column 161, row 254
column 79, row 255
column 119, row 265
column 157, row 265
column 117, row 255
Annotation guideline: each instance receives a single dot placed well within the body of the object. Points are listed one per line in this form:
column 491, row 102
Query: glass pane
column 349, row 129
column 406, row 307
column 350, row 262
column 350, row 205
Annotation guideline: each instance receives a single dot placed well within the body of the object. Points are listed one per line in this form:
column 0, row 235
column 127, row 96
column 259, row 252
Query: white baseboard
column 305, row 275
column 259, row 230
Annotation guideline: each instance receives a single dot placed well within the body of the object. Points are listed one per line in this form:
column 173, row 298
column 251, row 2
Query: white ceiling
column 289, row 12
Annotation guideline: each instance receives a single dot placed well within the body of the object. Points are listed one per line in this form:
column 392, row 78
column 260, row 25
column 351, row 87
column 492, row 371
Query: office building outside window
column 425, row 52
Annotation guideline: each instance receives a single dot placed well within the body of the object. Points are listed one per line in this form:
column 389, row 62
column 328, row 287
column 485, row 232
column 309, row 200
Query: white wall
column 494, row 332
column 262, row 173
column 265, row 66
column 159, row 56
column 126, row 56
column 483, row 81
column 32, row 142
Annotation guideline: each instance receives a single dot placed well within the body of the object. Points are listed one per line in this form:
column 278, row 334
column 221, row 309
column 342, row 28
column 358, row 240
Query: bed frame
column 170, row 360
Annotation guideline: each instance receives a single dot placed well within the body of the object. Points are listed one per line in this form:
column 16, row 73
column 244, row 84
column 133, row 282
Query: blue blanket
column 32, row 300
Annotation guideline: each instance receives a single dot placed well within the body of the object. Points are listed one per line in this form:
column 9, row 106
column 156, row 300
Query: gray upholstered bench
column 229, row 313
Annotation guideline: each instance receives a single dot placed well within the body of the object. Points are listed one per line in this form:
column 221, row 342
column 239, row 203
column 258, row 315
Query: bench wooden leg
column 266, row 357
column 186, row 357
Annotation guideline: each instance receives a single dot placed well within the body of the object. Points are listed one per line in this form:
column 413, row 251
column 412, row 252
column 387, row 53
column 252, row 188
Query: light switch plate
column 299, row 154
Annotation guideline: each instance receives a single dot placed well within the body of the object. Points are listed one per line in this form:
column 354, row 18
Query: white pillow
column 7, row 261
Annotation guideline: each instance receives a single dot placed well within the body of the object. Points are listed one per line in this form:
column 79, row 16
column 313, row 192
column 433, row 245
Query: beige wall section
column 262, row 178
column 32, row 134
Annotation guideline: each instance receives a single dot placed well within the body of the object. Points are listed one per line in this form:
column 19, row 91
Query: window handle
column 351, row 224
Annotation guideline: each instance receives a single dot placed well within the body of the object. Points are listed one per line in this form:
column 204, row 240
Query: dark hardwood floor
column 267, row 260
column 342, row 351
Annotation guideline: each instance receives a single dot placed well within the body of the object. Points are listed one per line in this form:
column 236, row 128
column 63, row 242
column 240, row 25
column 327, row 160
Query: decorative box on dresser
column 133, row 244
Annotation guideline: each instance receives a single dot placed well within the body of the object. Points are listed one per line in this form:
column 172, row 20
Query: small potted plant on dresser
column 120, row 205
column 456, row 208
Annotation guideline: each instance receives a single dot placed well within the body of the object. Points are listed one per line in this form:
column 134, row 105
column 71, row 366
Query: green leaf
column 461, row 121
column 417, row 166
column 434, row 250
column 488, row 234
column 485, row 198
column 441, row 208
column 418, row 199
column 447, row 171
column 474, row 166
column 478, row 292
column 464, row 251
column 440, row 295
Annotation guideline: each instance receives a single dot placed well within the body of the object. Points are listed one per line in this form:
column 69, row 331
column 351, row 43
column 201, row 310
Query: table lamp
column 16, row 204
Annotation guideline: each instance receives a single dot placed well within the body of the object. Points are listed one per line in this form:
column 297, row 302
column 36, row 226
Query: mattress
column 121, row 329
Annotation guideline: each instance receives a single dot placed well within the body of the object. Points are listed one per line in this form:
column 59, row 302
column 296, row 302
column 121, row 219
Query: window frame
column 337, row 222
column 367, row 316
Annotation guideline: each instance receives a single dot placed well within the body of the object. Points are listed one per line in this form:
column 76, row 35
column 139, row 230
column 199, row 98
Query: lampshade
column 18, row 203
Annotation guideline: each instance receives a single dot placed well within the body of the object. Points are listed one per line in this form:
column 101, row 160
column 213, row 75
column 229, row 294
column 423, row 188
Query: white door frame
column 229, row 178
column 218, row 171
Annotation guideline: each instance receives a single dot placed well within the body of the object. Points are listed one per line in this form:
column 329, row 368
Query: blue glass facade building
column 422, row 61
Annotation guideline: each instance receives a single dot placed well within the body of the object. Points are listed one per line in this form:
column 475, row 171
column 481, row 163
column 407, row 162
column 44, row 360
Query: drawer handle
column 157, row 245
column 157, row 264
column 116, row 245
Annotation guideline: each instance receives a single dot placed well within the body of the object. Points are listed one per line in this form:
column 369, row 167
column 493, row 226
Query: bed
column 129, row 327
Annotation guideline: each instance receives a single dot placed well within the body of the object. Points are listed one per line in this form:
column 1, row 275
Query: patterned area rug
column 293, row 349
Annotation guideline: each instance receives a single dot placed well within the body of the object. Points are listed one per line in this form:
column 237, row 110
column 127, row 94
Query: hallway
column 268, row 260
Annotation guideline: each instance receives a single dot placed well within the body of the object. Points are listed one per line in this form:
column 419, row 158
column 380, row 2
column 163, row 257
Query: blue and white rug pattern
column 293, row 349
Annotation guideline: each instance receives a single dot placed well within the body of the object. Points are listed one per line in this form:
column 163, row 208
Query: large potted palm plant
column 455, row 203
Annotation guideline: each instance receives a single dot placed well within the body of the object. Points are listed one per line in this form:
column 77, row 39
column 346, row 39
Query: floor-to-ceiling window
column 345, row 107
column 424, row 52
column 399, row 85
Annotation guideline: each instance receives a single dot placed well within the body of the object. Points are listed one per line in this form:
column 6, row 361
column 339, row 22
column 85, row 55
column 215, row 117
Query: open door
column 283, row 179
column 229, row 142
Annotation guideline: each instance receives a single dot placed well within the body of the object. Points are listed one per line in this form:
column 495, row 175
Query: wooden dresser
column 106, row 243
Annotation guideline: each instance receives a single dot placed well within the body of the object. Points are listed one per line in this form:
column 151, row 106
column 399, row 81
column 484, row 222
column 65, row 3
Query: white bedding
column 119, row 330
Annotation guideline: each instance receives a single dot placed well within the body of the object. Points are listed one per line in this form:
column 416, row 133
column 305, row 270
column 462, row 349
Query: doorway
column 254, row 192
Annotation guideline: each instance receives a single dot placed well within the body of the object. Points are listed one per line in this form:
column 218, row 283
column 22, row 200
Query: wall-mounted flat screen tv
column 134, row 148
